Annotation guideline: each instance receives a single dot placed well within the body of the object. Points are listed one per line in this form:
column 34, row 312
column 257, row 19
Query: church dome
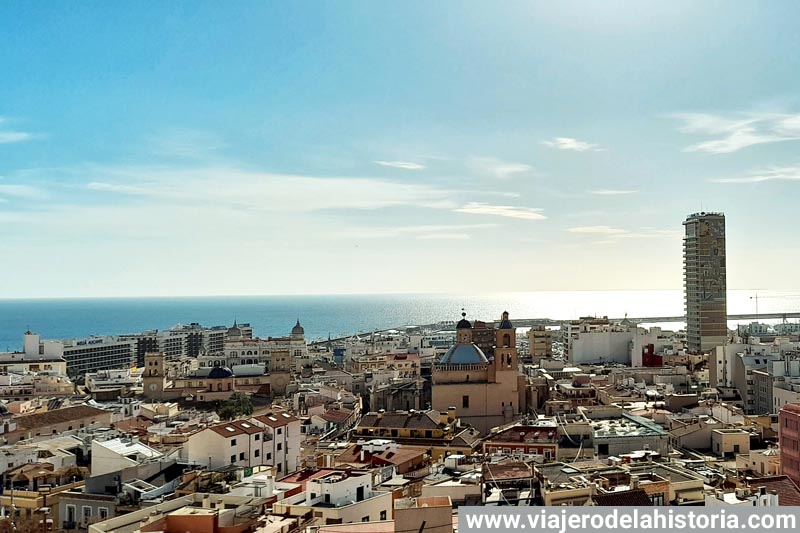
column 463, row 354
column 505, row 323
column 298, row 329
column 220, row 372
column 234, row 330
column 463, row 323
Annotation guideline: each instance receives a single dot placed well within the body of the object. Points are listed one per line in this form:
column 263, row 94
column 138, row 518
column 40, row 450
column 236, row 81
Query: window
column 103, row 511
column 365, row 518
column 383, row 515
column 465, row 402
column 86, row 512
column 258, row 436
column 269, row 456
column 257, row 453
column 233, row 459
column 241, row 456
column 233, row 442
column 280, row 446
column 280, row 431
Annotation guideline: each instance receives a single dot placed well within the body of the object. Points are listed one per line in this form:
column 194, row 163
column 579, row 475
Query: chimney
column 451, row 414
column 444, row 419
column 380, row 413
column 634, row 482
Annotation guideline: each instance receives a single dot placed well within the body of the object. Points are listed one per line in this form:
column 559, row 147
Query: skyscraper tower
column 705, row 281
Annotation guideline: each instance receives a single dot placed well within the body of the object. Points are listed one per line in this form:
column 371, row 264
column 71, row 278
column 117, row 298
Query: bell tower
column 505, row 351
column 464, row 330
column 155, row 377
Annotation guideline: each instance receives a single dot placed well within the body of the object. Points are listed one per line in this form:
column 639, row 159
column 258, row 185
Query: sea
column 341, row 315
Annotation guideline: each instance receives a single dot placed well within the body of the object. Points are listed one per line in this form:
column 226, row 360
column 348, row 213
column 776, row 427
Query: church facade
column 486, row 391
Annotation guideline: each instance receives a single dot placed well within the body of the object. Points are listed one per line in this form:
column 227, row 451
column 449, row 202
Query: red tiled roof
column 337, row 416
column 788, row 492
column 398, row 457
column 237, row 427
column 281, row 418
column 791, row 408
column 622, row 498
column 58, row 416
column 506, row 471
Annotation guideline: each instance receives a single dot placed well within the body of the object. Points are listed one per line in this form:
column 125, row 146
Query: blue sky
column 182, row 148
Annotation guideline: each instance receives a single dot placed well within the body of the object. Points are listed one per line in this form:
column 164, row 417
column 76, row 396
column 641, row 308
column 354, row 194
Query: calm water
column 321, row 315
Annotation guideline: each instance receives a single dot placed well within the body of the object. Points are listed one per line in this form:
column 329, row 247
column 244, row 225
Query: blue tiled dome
column 463, row 354
column 505, row 323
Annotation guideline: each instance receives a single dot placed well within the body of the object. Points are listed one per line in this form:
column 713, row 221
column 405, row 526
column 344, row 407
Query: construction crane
column 756, row 297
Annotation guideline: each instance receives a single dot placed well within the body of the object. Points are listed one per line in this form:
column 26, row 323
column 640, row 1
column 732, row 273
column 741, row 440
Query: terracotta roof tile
column 58, row 416
column 276, row 419
column 237, row 427
column 788, row 492
column 621, row 498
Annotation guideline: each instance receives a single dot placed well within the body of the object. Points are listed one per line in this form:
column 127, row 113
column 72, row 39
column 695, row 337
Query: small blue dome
column 463, row 354
column 505, row 323
column 220, row 372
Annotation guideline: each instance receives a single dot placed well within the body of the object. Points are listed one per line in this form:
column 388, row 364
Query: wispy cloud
column 8, row 136
column 500, row 169
column 118, row 188
column 186, row 143
column 444, row 237
column 597, row 230
column 612, row 235
column 736, row 131
column 244, row 189
column 20, row 191
column 790, row 173
column 507, row 211
column 430, row 231
column 568, row 143
column 405, row 165
column 612, row 192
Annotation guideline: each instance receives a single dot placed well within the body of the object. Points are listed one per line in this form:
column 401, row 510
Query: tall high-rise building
column 705, row 281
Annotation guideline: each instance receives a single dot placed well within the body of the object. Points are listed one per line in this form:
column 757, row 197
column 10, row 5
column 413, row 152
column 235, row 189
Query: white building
column 120, row 453
column 282, row 440
column 272, row 439
column 94, row 353
column 592, row 340
column 742, row 496
column 114, row 378
column 338, row 497
column 232, row 443
column 239, row 349
column 35, row 357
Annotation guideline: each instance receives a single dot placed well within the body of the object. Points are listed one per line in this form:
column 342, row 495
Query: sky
column 319, row 147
